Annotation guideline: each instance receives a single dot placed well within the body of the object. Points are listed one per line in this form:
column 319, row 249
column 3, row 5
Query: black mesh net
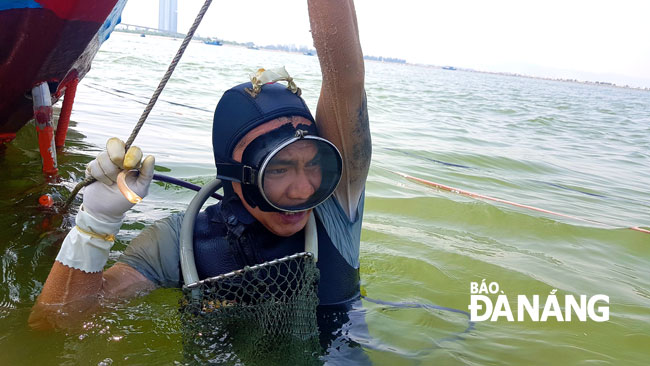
column 259, row 315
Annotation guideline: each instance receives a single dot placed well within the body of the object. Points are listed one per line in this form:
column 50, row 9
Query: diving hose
column 188, row 265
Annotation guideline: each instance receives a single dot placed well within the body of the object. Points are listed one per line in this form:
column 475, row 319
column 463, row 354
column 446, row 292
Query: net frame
column 262, row 314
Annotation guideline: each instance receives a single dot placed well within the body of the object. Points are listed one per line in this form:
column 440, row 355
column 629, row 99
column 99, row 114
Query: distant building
column 167, row 14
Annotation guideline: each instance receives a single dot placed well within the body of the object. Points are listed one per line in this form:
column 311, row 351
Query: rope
column 482, row 196
column 118, row 93
column 154, row 97
column 263, row 76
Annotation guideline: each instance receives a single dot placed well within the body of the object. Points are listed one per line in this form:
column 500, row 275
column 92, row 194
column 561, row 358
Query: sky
column 593, row 40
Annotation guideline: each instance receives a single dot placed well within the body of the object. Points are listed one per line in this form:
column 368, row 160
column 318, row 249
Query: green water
column 580, row 150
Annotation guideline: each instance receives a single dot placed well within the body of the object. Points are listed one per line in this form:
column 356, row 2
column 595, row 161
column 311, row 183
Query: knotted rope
column 263, row 76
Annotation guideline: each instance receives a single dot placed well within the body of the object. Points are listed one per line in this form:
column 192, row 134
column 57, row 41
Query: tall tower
column 167, row 14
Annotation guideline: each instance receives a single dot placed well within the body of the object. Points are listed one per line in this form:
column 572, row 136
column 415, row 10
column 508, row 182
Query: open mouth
column 293, row 217
column 292, row 213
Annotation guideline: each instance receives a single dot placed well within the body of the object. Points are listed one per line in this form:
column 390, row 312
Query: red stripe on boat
column 86, row 10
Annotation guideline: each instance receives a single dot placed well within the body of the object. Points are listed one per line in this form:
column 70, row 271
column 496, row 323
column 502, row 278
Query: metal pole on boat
column 66, row 111
column 43, row 116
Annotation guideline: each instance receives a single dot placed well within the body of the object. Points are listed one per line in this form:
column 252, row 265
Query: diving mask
column 288, row 169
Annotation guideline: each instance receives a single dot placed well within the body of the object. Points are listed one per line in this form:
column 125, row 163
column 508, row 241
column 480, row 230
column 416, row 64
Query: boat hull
column 51, row 41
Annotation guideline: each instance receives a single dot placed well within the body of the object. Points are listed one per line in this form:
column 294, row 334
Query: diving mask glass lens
column 295, row 174
column 300, row 174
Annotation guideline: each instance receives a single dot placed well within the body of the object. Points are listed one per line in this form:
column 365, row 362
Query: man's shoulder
column 155, row 251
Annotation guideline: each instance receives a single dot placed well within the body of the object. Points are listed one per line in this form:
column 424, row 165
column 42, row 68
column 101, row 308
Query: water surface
column 580, row 150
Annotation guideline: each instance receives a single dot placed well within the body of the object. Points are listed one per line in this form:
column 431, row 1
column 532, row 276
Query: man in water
column 279, row 165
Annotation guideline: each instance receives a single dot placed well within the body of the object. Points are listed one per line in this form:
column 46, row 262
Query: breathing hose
column 188, row 265
column 182, row 183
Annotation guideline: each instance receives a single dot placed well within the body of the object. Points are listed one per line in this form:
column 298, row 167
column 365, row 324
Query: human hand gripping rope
column 87, row 245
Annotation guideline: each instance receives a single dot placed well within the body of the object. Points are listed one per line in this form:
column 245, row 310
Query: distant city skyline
column 590, row 40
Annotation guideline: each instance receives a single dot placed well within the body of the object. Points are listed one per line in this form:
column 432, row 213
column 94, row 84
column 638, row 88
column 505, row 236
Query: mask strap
column 228, row 192
column 237, row 173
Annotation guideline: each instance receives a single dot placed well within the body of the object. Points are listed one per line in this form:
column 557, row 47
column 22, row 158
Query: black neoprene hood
column 238, row 112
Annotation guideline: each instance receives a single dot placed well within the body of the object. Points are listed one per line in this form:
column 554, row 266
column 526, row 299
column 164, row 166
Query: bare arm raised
column 342, row 113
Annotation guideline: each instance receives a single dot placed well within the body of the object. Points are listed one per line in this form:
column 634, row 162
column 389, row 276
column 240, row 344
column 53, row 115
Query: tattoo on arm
column 361, row 152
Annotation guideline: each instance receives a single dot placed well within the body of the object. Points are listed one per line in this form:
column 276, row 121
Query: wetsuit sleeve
column 344, row 233
column 155, row 252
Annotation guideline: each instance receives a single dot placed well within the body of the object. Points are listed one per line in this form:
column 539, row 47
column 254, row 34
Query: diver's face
column 292, row 181
column 293, row 175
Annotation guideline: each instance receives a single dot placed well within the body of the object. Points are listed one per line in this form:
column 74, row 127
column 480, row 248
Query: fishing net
column 259, row 315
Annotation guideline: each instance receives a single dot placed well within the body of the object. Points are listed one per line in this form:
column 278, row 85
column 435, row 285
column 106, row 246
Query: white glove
column 88, row 244
column 102, row 199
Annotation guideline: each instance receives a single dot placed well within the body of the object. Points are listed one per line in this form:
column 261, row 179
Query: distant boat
column 308, row 53
column 47, row 46
column 448, row 68
column 142, row 35
column 213, row 42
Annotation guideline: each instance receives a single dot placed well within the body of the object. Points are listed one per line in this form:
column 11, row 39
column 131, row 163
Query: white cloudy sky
column 584, row 39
